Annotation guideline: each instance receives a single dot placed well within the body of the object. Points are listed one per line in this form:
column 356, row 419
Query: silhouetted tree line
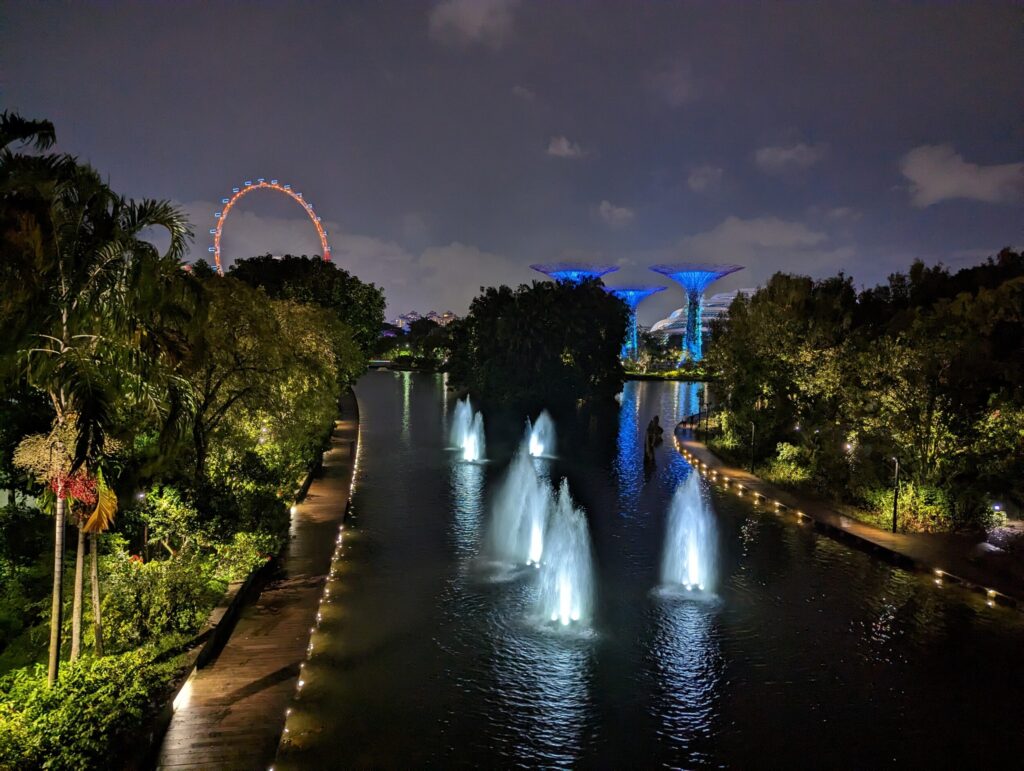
column 540, row 345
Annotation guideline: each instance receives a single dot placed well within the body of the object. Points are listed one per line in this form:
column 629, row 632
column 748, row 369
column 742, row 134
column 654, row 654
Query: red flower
column 81, row 487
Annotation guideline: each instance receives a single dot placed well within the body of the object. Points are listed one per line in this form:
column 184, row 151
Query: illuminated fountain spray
column 566, row 573
column 541, row 436
column 467, row 431
column 520, row 513
column 690, row 541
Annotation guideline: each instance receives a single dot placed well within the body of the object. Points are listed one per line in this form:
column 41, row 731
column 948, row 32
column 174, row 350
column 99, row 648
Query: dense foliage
column 925, row 369
column 161, row 417
column 312, row 280
column 93, row 708
column 540, row 345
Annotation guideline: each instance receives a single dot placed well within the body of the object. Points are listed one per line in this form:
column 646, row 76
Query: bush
column 790, row 466
column 236, row 560
column 922, row 509
column 78, row 723
column 144, row 601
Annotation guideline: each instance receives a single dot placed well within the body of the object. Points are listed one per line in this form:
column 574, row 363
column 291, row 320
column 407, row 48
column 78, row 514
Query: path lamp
column 895, row 493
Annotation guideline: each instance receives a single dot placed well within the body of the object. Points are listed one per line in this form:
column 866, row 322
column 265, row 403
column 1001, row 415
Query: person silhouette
column 652, row 439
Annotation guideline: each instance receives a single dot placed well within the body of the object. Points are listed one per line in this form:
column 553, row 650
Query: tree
column 926, row 368
column 540, row 345
column 82, row 325
column 358, row 305
column 238, row 353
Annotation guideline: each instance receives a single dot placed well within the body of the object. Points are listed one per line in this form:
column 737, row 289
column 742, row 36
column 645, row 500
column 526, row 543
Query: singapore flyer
column 262, row 184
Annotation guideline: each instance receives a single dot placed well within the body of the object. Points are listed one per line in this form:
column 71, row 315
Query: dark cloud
column 451, row 144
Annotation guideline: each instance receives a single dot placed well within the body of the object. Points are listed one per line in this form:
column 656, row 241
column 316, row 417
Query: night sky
column 448, row 145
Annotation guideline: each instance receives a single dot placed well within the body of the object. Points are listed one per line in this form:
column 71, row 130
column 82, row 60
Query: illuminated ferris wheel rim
column 263, row 184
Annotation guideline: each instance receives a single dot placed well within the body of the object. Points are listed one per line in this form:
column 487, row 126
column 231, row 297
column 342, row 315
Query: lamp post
column 895, row 493
column 751, row 447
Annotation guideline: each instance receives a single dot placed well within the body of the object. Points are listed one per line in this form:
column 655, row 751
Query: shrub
column 790, row 466
column 246, row 552
column 922, row 509
column 78, row 722
column 143, row 601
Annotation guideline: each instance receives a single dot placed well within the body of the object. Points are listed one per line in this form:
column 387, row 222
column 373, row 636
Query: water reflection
column 467, row 502
column 543, row 682
column 406, row 394
column 629, row 456
column 687, row 659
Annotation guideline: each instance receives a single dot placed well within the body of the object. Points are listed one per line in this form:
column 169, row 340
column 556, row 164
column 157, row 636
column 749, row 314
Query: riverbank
column 231, row 713
column 955, row 558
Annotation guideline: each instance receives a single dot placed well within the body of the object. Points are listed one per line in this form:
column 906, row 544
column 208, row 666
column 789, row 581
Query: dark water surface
column 811, row 654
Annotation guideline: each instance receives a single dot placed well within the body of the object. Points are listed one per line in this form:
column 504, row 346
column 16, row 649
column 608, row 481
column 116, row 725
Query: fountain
column 566, row 574
column 521, row 508
column 689, row 558
column 541, row 435
column 467, row 432
column 462, row 417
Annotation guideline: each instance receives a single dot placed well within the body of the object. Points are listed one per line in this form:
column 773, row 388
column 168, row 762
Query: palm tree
column 91, row 323
column 98, row 522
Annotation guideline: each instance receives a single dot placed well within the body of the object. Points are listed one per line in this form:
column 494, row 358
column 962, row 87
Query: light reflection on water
column 406, row 402
column 434, row 663
column 467, row 505
column 688, row 663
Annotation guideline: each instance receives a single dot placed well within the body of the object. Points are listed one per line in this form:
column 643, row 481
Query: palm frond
column 102, row 517
column 40, row 134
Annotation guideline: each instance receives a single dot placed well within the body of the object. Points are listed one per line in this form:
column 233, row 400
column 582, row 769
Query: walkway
column 231, row 714
column 948, row 557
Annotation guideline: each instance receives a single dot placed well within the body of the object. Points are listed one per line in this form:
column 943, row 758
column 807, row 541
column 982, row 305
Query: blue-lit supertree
column 632, row 296
column 574, row 272
column 694, row 278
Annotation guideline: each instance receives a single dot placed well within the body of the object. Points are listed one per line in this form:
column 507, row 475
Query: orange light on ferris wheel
column 261, row 183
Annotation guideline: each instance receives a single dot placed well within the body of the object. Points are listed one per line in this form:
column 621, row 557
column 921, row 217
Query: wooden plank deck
column 230, row 715
column 953, row 558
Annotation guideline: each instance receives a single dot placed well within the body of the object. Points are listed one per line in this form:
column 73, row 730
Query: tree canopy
column 926, row 368
column 539, row 345
column 358, row 305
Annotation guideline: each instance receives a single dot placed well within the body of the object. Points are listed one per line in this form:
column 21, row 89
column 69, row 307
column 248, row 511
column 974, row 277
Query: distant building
column 714, row 307
column 444, row 319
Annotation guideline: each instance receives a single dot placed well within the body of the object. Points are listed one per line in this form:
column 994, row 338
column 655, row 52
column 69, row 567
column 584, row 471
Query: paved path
column 232, row 714
column 956, row 558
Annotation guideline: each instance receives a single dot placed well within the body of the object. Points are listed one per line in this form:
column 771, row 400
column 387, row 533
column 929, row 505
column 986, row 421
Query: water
column 566, row 579
column 467, row 431
column 808, row 654
column 541, row 435
column 520, row 516
column 691, row 540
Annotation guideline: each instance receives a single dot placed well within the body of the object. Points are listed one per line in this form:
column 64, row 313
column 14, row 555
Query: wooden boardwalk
column 948, row 557
column 231, row 714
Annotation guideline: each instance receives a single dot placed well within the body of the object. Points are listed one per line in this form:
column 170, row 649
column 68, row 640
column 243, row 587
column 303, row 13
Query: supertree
column 632, row 296
column 574, row 272
column 694, row 278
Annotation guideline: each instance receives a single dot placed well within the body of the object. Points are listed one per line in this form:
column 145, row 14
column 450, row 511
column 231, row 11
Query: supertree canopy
column 694, row 278
column 574, row 272
column 632, row 296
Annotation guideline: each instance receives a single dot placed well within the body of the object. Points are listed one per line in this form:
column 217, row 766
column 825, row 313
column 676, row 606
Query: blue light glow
column 633, row 296
column 574, row 272
column 694, row 278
